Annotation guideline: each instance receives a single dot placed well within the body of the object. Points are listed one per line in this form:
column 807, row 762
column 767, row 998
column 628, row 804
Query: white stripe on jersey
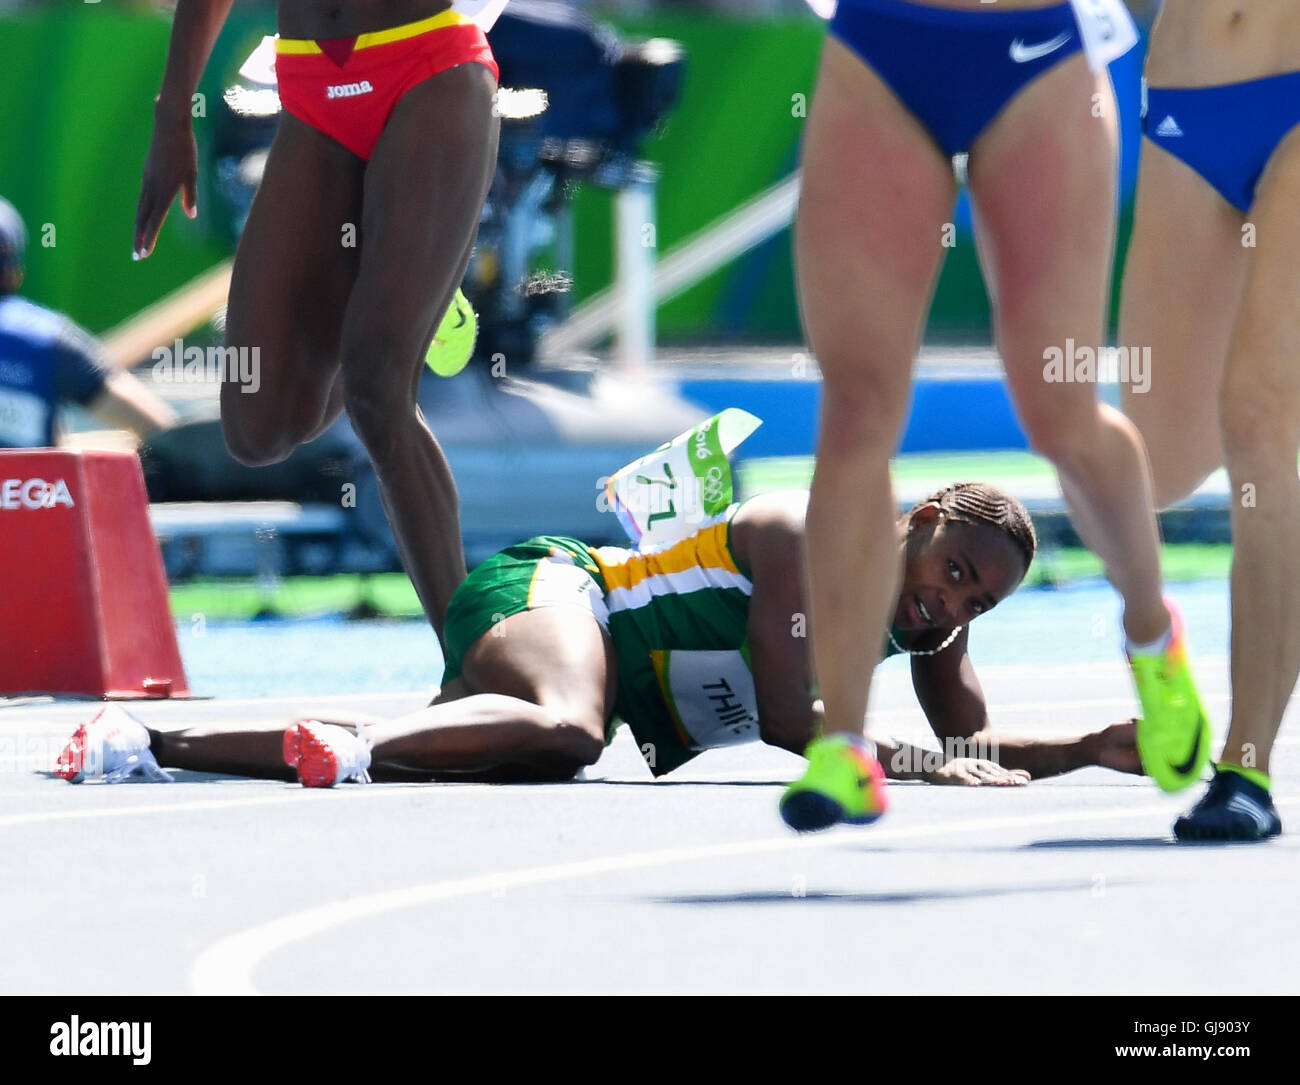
column 688, row 580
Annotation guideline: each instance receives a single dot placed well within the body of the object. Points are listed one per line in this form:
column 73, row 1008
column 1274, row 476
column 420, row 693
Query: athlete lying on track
column 697, row 645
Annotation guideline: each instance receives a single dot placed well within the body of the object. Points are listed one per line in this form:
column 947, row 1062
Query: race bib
column 683, row 485
column 24, row 419
column 711, row 694
column 1107, row 30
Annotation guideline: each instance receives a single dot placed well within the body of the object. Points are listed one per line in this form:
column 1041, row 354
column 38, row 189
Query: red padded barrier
column 83, row 595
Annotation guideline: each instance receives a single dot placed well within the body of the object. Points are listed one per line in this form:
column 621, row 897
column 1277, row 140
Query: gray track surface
column 619, row 884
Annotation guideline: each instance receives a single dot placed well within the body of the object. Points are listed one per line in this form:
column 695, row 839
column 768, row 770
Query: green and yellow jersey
column 678, row 617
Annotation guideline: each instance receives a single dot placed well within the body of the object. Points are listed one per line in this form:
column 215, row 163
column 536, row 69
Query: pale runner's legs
column 1261, row 440
column 1183, row 282
column 869, row 243
column 1042, row 179
column 1214, row 293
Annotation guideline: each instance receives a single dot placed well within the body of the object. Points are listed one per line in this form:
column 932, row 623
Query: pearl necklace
column 932, row 652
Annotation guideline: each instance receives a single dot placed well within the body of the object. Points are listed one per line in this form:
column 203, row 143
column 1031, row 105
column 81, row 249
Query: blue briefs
column 1226, row 133
column 956, row 69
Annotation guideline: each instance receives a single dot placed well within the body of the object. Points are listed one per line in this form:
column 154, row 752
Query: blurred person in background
column 46, row 361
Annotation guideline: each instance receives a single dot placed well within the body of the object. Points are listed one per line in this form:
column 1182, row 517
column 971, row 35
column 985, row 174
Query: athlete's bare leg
column 246, row 751
column 876, row 194
column 532, row 704
column 290, row 285
column 1183, row 282
column 1261, row 439
column 424, row 190
column 333, row 408
column 346, row 325
column 1042, row 178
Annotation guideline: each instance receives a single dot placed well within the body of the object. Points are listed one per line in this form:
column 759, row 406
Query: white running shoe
column 111, row 747
column 325, row 754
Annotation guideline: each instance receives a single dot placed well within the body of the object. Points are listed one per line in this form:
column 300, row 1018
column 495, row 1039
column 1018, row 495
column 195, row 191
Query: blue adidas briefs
column 1225, row 133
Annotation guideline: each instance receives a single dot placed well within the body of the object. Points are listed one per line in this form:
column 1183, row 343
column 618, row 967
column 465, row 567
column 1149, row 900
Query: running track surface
column 616, row 883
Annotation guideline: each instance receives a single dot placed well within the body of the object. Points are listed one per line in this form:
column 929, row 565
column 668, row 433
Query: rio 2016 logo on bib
column 683, row 485
column 713, row 487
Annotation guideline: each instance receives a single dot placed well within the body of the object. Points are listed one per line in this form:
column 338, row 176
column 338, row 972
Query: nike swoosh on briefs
column 1022, row 53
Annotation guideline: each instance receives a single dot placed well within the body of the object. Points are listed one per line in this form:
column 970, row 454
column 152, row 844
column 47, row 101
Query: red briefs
column 347, row 87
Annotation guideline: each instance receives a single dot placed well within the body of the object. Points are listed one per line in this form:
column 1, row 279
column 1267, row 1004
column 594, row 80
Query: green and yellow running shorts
column 698, row 695
column 545, row 571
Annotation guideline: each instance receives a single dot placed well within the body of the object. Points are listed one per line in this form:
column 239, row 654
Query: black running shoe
column 1232, row 808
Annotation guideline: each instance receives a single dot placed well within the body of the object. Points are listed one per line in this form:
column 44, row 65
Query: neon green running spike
column 453, row 342
column 844, row 782
column 1173, row 735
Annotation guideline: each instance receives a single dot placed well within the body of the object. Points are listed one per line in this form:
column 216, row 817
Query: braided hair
column 978, row 502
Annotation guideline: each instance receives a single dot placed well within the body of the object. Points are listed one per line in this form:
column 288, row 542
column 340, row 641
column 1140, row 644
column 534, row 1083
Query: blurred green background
column 79, row 83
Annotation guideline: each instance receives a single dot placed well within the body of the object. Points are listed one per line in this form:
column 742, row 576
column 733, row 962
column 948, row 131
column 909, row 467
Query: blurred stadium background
column 633, row 276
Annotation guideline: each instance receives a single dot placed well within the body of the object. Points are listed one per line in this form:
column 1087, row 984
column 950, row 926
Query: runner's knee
column 567, row 737
column 379, row 405
column 1260, row 427
column 1066, row 438
column 377, row 374
column 260, row 444
column 860, row 414
column 264, row 426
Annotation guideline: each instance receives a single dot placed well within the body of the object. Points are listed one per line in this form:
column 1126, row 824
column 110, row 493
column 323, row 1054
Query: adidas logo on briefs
column 1168, row 127
column 348, row 90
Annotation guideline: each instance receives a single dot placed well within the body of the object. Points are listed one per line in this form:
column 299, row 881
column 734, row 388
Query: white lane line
column 226, row 967
column 290, row 794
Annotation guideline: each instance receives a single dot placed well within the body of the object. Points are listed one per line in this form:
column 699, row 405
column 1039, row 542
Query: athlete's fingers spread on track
column 995, row 775
column 171, row 166
column 977, row 772
column 1116, row 748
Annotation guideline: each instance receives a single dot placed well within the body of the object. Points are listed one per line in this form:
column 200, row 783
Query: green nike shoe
column 453, row 342
column 1173, row 735
column 844, row 782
